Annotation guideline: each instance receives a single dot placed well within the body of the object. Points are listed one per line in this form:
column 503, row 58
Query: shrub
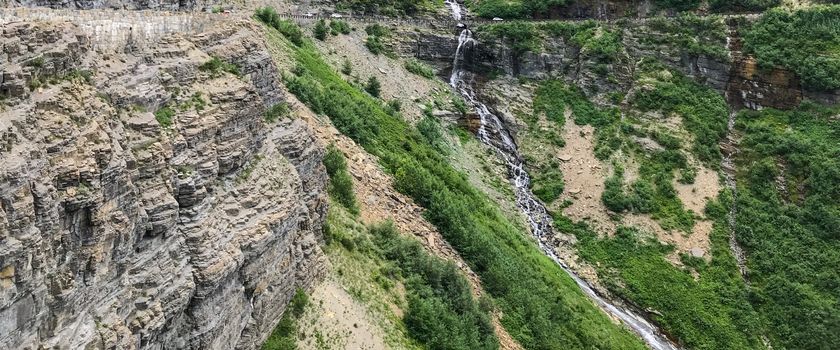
column 284, row 336
column 276, row 112
column 347, row 67
column 216, row 66
column 521, row 36
column 373, row 87
column 164, row 116
column 377, row 30
column 320, row 30
column 375, row 45
column 290, row 30
column 442, row 313
column 420, row 68
column 341, row 182
column 339, row 27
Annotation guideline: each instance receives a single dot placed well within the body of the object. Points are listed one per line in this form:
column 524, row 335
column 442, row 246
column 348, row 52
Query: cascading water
column 493, row 133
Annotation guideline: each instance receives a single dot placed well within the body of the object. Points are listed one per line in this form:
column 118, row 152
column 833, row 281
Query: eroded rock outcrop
column 144, row 201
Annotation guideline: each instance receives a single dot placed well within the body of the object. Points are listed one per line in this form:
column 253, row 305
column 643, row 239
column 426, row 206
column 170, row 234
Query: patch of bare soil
column 336, row 320
column 379, row 201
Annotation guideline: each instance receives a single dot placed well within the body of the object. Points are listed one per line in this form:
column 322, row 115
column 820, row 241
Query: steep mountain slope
column 244, row 180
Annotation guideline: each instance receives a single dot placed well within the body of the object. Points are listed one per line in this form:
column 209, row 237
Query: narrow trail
column 493, row 133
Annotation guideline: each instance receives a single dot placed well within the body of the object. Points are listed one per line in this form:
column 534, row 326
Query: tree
column 347, row 67
column 373, row 86
column 320, row 30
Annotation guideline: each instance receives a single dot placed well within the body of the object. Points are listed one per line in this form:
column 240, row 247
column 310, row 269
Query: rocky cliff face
column 122, row 230
column 171, row 5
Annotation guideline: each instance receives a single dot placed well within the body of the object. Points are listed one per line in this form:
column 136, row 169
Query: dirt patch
column 694, row 196
column 337, row 321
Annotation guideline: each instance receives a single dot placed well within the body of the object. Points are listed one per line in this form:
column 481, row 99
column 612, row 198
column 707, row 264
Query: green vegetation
column 320, row 31
column 276, row 112
column 788, row 221
column 742, row 5
column 164, row 116
column 341, row 182
column 36, row 62
column 442, row 313
column 803, row 41
column 339, row 27
column 347, row 67
column 441, row 310
column 420, row 68
column 216, row 66
column 595, row 40
column 542, row 306
column 387, row 7
column 195, row 101
column 703, row 111
column 678, row 5
column 521, row 36
column 710, row 312
column 289, row 29
column 373, row 87
column 377, row 30
column 511, row 9
column 284, row 336
column 690, row 34
column 547, row 182
column 375, row 45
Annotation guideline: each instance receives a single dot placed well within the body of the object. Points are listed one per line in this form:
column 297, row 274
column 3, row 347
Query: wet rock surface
column 120, row 229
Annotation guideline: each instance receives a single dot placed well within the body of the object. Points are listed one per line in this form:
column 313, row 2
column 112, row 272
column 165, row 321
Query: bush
column 320, row 30
column 216, row 66
column 347, row 67
column 276, row 112
column 442, row 313
column 289, row 29
column 164, row 116
column 375, row 45
column 373, row 87
column 419, row 68
column 339, row 27
column 341, row 182
column 377, row 30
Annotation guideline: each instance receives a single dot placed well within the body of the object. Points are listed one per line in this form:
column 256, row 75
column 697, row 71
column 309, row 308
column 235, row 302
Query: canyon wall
column 145, row 202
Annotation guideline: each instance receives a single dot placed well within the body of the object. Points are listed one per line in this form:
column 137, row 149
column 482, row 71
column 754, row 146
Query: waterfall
column 493, row 133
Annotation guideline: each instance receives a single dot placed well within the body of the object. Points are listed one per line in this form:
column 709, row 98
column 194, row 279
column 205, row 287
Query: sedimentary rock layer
column 144, row 200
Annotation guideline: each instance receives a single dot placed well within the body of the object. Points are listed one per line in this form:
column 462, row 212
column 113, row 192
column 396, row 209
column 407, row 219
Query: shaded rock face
column 119, row 232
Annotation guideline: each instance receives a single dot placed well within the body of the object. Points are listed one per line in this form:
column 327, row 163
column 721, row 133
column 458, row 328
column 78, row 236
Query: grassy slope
column 542, row 306
column 789, row 222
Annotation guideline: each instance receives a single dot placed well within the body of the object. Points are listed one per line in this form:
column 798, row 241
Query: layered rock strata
column 144, row 200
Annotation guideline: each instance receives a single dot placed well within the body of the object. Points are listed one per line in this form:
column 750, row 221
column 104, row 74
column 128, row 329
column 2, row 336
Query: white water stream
column 493, row 133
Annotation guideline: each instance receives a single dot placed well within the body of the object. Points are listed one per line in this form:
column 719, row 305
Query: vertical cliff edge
column 146, row 199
